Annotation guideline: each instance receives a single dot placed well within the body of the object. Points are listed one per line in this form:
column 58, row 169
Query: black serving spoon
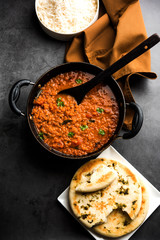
column 80, row 91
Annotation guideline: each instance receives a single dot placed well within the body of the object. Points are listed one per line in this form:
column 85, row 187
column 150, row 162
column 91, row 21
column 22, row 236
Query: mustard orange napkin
column 118, row 30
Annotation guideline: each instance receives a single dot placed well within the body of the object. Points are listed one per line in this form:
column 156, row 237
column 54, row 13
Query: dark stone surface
column 31, row 179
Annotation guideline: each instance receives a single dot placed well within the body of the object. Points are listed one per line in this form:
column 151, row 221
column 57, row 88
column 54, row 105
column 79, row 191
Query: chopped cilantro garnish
column 100, row 110
column 101, row 132
column 122, row 180
column 59, row 102
column 120, row 205
column 122, row 190
column 84, row 216
column 41, row 135
column 83, row 127
column 134, row 202
column 71, row 134
column 89, row 174
column 79, row 81
column 86, row 207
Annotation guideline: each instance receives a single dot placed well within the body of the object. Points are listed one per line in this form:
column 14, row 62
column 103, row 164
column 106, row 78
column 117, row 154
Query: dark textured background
column 31, row 179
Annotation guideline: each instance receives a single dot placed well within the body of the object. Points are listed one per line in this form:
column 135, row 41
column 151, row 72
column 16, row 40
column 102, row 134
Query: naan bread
column 95, row 178
column 122, row 188
column 119, row 223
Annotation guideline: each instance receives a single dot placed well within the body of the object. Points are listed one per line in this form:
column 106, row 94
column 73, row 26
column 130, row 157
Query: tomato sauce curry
column 70, row 128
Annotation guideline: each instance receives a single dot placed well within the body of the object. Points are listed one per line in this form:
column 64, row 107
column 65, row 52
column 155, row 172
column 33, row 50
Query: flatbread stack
column 108, row 197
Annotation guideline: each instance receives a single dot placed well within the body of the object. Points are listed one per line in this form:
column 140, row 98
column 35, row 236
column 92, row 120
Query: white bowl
column 64, row 36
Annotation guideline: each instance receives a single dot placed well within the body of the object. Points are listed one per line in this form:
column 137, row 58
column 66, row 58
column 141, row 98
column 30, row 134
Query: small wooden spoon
column 80, row 91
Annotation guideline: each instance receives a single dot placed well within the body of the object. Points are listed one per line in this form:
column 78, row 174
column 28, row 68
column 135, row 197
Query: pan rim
column 47, row 75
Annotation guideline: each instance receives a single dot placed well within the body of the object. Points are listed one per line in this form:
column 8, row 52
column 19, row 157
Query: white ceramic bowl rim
column 72, row 33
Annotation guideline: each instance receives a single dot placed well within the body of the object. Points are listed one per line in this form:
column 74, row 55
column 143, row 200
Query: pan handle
column 136, row 123
column 15, row 94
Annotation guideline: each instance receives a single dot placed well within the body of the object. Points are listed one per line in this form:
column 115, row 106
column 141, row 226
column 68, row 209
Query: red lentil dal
column 70, row 128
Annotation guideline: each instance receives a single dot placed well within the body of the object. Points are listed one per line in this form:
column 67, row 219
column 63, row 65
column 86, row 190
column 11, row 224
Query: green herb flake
column 41, row 135
column 71, row 134
column 86, row 208
column 83, row 127
column 126, row 191
column 101, row 132
column 100, row 110
column 122, row 180
column 79, row 81
column 123, row 191
column 59, row 102
column 134, row 202
column 84, row 216
column 88, row 174
column 120, row 205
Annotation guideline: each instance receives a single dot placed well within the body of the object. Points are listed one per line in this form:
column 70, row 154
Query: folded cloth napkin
column 118, row 30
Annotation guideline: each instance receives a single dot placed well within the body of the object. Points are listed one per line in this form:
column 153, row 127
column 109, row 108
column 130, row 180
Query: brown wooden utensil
column 80, row 91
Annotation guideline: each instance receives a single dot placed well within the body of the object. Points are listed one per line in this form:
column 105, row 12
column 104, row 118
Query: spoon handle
column 136, row 52
column 80, row 91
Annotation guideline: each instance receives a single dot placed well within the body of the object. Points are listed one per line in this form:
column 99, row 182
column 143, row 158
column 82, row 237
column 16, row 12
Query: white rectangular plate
column 154, row 194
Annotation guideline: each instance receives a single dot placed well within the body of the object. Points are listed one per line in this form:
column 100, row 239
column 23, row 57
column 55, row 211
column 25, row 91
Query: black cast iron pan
column 86, row 67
